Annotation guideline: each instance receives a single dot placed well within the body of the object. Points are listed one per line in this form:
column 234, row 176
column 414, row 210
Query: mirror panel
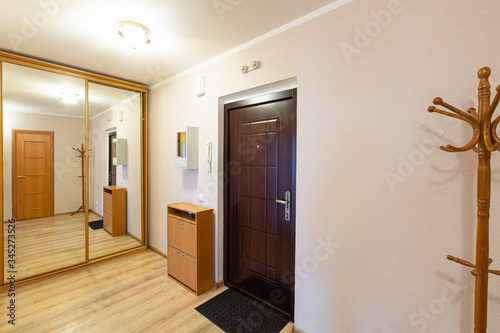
column 43, row 127
column 181, row 144
column 114, row 170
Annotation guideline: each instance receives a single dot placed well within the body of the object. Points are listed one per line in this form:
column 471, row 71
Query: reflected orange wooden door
column 32, row 174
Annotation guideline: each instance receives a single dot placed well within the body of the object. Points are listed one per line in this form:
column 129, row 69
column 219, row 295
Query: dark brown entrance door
column 260, row 156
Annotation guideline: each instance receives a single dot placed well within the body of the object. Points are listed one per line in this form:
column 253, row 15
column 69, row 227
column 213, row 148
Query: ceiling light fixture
column 69, row 98
column 135, row 34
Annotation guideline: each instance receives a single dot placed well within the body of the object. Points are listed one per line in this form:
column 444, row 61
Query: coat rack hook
column 462, row 116
column 473, row 112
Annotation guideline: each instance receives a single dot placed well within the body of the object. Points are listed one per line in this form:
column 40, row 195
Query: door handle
column 286, row 202
column 19, row 177
column 182, row 255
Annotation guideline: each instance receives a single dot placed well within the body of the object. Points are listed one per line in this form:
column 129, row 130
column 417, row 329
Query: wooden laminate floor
column 127, row 294
column 50, row 243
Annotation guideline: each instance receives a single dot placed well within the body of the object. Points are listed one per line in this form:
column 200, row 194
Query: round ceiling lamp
column 69, row 98
column 135, row 34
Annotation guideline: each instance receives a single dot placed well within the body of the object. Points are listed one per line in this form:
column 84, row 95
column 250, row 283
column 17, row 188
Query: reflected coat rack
column 484, row 141
column 81, row 154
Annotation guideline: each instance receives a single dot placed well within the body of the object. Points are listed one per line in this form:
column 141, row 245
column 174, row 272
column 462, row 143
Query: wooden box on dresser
column 115, row 210
column 190, row 233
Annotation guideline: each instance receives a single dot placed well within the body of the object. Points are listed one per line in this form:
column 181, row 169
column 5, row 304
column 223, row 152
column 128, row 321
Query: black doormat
column 95, row 225
column 234, row 313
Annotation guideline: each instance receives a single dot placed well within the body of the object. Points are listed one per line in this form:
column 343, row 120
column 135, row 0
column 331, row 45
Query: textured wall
column 370, row 178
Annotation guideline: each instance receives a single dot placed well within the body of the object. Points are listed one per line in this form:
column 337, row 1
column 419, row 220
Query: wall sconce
column 120, row 115
column 248, row 68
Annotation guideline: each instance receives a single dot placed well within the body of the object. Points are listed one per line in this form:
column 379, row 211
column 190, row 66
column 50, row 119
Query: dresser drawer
column 182, row 235
column 182, row 267
column 107, row 222
column 107, row 203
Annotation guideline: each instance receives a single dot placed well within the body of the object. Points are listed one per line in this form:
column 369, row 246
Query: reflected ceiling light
column 69, row 98
column 135, row 34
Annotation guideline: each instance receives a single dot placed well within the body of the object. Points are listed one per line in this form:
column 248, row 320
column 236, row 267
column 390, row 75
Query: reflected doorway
column 111, row 154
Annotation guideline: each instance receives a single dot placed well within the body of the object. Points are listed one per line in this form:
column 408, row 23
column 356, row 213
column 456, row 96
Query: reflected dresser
column 115, row 210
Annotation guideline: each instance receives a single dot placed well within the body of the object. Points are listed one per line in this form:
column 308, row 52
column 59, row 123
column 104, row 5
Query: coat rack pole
column 81, row 155
column 483, row 208
column 83, row 178
column 484, row 141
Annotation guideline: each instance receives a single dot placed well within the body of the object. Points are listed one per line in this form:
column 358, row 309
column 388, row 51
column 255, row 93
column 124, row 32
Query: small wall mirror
column 181, row 143
column 187, row 147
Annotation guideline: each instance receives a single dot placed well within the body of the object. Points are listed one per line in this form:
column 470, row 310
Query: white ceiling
column 34, row 91
column 184, row 33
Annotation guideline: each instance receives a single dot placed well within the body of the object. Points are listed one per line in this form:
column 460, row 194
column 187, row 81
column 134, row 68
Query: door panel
column 260, row 164
column 33, row 174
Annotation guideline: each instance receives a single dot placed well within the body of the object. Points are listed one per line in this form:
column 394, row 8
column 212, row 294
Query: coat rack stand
column 484, row 141
column 81, row 154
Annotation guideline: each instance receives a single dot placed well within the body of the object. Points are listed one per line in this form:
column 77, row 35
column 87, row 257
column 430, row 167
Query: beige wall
column 370, row 176
column 130, row 174
column 69, row 133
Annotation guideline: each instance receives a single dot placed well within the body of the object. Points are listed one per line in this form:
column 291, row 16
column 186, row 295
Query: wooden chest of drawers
column 191, row 246
column 115, row 210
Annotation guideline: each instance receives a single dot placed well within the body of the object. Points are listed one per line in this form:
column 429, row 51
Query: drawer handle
column 182, row 255
column 178, row 222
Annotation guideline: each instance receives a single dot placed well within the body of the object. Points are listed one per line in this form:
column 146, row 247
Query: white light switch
column 201, row 197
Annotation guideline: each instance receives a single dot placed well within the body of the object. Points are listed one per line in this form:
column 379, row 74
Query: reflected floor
column 101, row 243
column 46, row 244
column 51, row 243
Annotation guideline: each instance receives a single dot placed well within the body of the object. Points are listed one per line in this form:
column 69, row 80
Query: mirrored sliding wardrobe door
column 43, row 140
column 115, row 218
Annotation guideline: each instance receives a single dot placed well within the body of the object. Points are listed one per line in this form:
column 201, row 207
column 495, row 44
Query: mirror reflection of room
column 114, row 170
column 43, row 122
column 181, row 144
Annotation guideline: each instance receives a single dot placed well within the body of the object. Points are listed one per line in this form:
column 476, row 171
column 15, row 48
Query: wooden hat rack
column 81, row 155
column 484, row 141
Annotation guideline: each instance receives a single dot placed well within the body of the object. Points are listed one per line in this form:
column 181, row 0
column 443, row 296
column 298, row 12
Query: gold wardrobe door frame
column 89, row 77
